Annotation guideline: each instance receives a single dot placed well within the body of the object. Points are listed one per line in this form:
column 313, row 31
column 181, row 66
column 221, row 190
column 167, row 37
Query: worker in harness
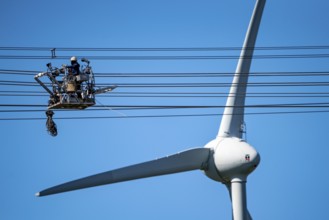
column 74, row 69
column 75, row 66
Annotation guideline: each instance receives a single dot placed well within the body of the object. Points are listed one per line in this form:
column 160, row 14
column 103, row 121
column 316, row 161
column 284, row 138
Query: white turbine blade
column 185, row 161
column 233, row 117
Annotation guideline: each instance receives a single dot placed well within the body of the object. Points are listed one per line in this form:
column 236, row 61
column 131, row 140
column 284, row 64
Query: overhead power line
column 137, row 107
column 12, row 93
column 173, row 57
column 38, row 53
column 175, row 96
column 289, row 47
column 174, row 75
column 161, row 116
column 183, row 85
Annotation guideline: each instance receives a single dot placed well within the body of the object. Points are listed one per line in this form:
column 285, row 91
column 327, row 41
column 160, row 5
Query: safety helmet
column 74, row 59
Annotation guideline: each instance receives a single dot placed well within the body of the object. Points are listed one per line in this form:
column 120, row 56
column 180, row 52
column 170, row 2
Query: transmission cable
column 182, row 85
column 143, row 107
column 162, row 116
column 182, row 74
column 173, row 57
column 288, row 47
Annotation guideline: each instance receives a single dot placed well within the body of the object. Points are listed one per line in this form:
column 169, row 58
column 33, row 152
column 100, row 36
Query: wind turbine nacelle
column 231, row 158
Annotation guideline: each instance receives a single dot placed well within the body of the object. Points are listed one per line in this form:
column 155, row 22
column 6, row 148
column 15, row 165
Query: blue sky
column 292, row 179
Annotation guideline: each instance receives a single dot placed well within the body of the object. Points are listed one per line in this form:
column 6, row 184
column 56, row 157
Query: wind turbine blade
column 185, row 161
column 233, row 117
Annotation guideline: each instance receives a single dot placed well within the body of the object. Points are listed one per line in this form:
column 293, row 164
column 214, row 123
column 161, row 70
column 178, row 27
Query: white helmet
column 74, row 59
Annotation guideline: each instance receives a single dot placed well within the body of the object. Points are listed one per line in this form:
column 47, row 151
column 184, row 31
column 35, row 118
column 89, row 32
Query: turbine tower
column 228, row 158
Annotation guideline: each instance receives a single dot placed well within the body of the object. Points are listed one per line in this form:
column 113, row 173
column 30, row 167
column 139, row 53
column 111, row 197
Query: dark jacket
column 75, row 67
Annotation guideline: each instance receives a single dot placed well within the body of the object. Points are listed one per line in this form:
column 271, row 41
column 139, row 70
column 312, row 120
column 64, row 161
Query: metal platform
column 71, row 91
column 72, row 102
column 81, row 105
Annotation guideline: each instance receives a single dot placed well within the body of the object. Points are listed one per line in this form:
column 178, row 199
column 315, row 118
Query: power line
column 162, row 116
column 162, row 85
column 25, row 93
column 52, row 55
column 174, row 75
column 173, row 94
column 289, row 47
column 11, row 93
column 183, row 93
column 152, row 108
column 136, row 107
column 173, row 57
column 207, row 74
column 176, row 96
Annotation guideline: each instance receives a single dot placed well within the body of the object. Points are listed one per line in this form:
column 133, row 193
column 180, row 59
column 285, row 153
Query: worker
column 75, row 70
column 75, row 66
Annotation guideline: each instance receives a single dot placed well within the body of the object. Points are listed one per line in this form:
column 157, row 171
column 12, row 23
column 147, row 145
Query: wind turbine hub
column 231, row 158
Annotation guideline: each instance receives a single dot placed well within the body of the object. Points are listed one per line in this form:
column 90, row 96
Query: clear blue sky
column 292, row 179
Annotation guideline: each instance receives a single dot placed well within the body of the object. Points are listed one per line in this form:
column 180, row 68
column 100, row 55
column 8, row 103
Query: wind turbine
column 228, row 158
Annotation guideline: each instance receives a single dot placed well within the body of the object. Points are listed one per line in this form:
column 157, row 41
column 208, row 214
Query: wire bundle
column 50, row 124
